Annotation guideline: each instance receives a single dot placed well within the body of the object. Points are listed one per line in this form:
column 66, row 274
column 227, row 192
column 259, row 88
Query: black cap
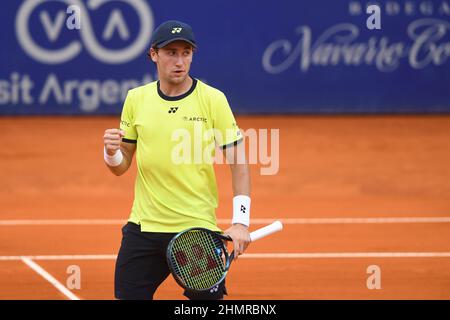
column 170, row 31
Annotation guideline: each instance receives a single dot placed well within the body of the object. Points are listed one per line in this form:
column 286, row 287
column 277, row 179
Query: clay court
column 351, row 191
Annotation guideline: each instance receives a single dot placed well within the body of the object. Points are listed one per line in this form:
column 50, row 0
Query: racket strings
column 189, row 269
column 196, row 274
column 198, row 258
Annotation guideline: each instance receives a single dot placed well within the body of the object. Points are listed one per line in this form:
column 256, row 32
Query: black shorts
column 141, row 266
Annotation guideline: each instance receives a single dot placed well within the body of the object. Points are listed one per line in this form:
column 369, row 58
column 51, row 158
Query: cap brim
column 165, row 43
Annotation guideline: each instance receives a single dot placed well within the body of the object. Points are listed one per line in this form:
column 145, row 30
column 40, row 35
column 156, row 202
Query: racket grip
column 267, row 230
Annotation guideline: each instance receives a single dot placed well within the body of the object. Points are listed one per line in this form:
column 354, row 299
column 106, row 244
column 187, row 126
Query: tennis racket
column 198, row 258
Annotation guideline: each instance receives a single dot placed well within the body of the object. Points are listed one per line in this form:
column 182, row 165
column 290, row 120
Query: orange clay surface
column 54, row 183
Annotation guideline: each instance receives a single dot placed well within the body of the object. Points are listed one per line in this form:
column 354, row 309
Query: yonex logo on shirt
column 176, row 30
column 173, row 109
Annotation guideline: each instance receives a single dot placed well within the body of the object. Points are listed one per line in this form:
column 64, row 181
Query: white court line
column 347, row 255
column 47, row 276
column 314, row 255
column 62, row 257
column 28, row 222
column 50, row 222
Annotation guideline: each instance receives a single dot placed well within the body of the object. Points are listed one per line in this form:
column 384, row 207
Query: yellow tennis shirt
column 175, row 186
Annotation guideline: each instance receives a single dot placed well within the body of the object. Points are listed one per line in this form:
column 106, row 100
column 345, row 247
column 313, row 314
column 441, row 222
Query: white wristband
column 241, row 210
column 114, row 160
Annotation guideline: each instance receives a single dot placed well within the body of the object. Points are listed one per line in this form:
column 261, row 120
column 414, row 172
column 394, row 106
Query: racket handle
column 267, row 230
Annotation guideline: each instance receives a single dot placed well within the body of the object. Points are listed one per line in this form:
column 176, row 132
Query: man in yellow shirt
column 173, row 126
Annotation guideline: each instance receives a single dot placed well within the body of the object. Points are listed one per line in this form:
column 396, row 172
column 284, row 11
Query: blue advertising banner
column 317, row 56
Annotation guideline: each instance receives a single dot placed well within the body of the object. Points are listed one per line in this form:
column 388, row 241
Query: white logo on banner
column 338, row 45
column 88, row 39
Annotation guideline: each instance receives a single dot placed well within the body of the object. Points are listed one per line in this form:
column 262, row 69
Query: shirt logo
column 176, row 30
column 127, row 124
column 173, row 109
column 195, row 118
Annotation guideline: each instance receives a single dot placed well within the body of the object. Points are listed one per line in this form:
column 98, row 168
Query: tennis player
column 173, row 195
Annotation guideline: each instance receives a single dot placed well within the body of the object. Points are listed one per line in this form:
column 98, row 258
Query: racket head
column 198, row 259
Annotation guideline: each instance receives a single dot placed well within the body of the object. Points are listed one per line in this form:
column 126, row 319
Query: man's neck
column 173, row 90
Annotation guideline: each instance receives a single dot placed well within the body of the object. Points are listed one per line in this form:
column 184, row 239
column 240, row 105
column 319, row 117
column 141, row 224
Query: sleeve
column 127, row 120
column 226, row 130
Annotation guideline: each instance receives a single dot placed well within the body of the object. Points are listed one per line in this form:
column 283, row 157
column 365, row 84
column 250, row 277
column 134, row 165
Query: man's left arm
column 240, row 174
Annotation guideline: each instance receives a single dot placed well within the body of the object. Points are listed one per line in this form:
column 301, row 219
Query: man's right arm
column 113, row 143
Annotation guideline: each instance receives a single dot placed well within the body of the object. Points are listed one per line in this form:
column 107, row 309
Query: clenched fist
column 112, row 140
